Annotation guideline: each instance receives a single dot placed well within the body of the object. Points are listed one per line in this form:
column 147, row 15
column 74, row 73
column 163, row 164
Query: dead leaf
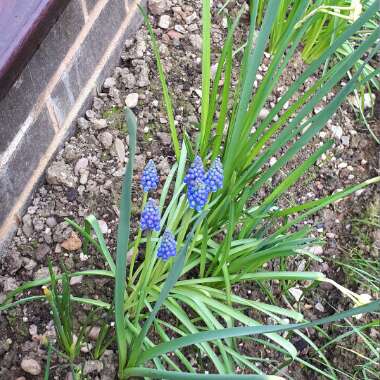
column 73, row 243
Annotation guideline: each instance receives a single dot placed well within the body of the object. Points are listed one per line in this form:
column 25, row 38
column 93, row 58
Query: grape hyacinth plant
column 182, row 291
column 149, row 178
column 168, row 246
column 201, row 184
column 214, row 177
column 195, row 172
column 150, row 217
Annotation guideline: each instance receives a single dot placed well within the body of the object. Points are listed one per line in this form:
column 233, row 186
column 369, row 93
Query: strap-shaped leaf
column 172, row 278
column 123, row 239
column 250, row 330
column 170, row 375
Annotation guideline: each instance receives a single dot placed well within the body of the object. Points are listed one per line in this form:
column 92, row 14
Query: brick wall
column 56, row 86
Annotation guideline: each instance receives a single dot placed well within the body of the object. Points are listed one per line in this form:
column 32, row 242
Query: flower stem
column 144, row 278
column 136, row 245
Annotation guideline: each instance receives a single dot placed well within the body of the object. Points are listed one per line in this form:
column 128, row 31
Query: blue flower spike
column 196, row 172
column 168, row 246
column 149, row 178
column 150, row 217
column 197, row 194
column 214, row 177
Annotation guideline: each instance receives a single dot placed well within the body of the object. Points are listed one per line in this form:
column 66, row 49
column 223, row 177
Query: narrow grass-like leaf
column 173, row 276
column 122, row 242
column 167, row 99
column 206, row 66
column 155, row 374
column 242, row 331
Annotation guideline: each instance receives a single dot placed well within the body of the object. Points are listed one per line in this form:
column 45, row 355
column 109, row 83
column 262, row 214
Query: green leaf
column 248, row 330
column 123, row 240
column 206, row 63
column 169, row 375
column 172, row 278
column 161, row 72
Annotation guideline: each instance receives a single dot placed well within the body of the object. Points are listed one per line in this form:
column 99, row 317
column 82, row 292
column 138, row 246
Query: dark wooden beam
column 23, row 26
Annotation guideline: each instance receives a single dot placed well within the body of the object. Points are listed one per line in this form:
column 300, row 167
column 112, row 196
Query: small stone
column 140, row 162
column 346, row 140
column 41, row 252
column 143, row 78
column 103, row 226
column 72, row 194
column 100, row 123
column 196, row 41
column 73, row 243
column 119, row 149
column 315, row 250
column 140, row 48
column 337, row 131
column 31, row 366
column 8, row 284
column 27, row 225
column 60, row 173
column 174, row 35
column 33, row 331
column 109, row 82
column 296, row 293
column 106, row 139
column 14, row 262
column 180, row 29
column 70, row 153
column 157, row 7
column 38, row 224
column 164, row 138
column 164, row 167
column 29, row 264
column 84, row 177
column 319, row 307
column 91, row 366
column 80, row 165
column 190, row 19
column 272, row 161
column 76, row 280
column 51, row 221
column 41, row 273
column 98, row 103
column 94, row 332
column 82, row 123
column 164, row 22
column 263, row 113
column 132, row 99
column 91, row 115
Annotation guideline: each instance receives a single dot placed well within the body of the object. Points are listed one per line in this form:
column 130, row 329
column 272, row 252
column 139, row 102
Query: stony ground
column 85, row 178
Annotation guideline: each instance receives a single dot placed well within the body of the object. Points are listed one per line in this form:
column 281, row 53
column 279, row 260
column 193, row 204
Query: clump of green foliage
column 224, row 234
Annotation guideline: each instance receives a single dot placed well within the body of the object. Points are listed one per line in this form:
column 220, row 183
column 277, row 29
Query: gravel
column 85, row 176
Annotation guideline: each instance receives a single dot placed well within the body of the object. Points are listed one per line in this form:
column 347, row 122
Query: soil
column 85, row 178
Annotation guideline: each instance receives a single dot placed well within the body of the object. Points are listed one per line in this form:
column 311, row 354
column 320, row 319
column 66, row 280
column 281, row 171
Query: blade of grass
column 251, row 330
column 122, row 243
column 173, row 276
column 206, row 66
column 170, row 375
column 165, row 90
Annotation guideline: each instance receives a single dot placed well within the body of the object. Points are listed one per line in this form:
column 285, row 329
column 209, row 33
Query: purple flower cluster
column 149, row 178
column 201, row 184
column 195, row 172
column 214, row 177
column 150, row 217
column 168, row 246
